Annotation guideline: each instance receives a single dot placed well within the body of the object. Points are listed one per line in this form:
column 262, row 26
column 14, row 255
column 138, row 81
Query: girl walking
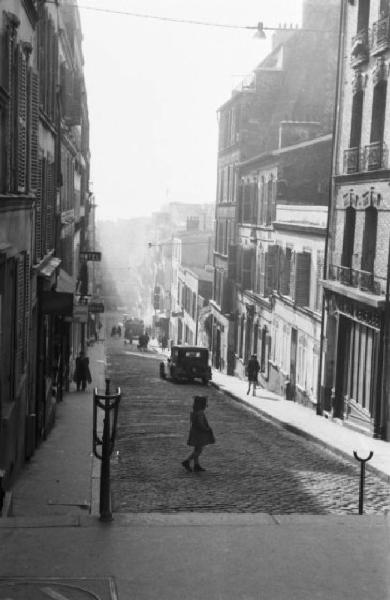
column 200, row 434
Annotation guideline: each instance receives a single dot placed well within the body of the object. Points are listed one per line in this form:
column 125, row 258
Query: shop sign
column 96, row 307
column 93, row 256
column 80, row 313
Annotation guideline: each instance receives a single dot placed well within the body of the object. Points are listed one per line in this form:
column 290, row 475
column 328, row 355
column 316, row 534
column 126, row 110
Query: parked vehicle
column 133, row 329
column 187, row 363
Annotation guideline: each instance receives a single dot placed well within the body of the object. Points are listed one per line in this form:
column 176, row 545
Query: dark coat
column 252, row 369
column 201, row 433
column 82, row 372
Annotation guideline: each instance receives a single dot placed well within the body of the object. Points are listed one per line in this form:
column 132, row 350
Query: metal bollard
column 363, row 462
column 107, row 402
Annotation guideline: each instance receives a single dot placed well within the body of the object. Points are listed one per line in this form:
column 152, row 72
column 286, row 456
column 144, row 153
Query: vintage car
column 187, row 362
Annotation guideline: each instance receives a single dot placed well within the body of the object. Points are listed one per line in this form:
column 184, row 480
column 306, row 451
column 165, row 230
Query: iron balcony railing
column 352, row 160
column 380, row 35
column 369, row 158
column 363, row 280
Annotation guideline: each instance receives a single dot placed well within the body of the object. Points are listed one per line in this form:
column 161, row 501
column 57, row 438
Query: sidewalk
column 304, row 421
column 58, row 478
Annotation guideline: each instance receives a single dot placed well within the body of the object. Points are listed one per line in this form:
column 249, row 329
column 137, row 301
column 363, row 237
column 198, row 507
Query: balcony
column 351, row 160
column 359, row 48
column 369, row 158
column 362, row 280
column 380, row 36
column 375, row 156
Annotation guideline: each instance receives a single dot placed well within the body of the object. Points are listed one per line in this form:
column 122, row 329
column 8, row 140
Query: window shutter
column 240, row 202
column 21, row 120
column 50, row 206
column 272, row 263
column 38, row 214
column 232, row 261
column 302, row 278
column 292, row 275
column 262, row 273
column 320, row 273
column 247, row 269
column 33, row 129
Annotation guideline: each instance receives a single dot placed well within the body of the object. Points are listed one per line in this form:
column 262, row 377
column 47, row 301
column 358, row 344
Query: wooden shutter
column 33, row 130
column 38, row 214
column 292, row 275
column 302, row 278
column 240, row 196
column 271, row 274
column 232, row 261
column 50, row 206
column 320, row 274
column 21, row 121
column 247, row 269
column 262, row 273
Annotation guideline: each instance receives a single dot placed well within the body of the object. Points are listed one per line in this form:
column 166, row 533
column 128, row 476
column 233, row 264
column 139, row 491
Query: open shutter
column 302, row 278
column 50, row 207
column 38, row 214
column 21, row 121
column 272, row 263
column 292, row 275
column 232, row 261
column 320, row 274
column 262, row 273
column 33, row 129
column 247, row 269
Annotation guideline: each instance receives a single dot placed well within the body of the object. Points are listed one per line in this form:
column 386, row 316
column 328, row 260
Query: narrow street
column 255, row 466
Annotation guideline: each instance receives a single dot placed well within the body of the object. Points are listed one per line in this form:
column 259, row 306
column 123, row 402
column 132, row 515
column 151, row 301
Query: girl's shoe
column 187, row 466
column 198, row 468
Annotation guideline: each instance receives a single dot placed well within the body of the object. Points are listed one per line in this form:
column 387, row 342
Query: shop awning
column 48, row 268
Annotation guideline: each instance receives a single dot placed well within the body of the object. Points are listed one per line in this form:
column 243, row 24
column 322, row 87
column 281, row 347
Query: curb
column 301, row 433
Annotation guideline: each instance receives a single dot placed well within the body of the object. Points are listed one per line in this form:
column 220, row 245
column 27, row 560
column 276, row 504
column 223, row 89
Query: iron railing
column 363, row 280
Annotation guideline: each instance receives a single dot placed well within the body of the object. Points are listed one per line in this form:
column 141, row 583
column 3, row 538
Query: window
column 378, row 112
column 302, row 362
column 363, row 15
column 270, row 202
column 349, row 237
column 369, row 239
column 356, row 121
column 300, row 278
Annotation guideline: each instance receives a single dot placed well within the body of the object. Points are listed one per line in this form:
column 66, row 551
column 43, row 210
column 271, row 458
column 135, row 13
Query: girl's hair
column 199, row 402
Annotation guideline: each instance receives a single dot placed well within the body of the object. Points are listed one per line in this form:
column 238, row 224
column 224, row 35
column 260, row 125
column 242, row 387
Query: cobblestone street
column 255, row 466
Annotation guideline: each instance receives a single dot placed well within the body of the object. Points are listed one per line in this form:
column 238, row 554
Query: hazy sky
column 153, row 92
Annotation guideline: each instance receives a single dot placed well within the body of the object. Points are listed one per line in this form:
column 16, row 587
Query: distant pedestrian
column 200, row 434
column 253, row 369
column 119, row 331
column 164, row 342
column 82, row 374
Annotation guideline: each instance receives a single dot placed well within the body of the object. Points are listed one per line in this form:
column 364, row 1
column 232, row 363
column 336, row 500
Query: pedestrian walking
column 82, row 374
column 200, row 434
column 253, row 369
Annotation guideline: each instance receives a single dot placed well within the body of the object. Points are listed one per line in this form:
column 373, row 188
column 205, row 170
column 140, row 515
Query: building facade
column 354, row 380
column 293, row 85
column 279, row 256
column 36, row 293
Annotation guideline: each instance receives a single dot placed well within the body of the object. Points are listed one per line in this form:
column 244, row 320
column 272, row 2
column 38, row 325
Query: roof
column 286, row 149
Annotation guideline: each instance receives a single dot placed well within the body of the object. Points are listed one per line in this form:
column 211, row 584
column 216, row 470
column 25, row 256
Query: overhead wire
column 156, row 17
